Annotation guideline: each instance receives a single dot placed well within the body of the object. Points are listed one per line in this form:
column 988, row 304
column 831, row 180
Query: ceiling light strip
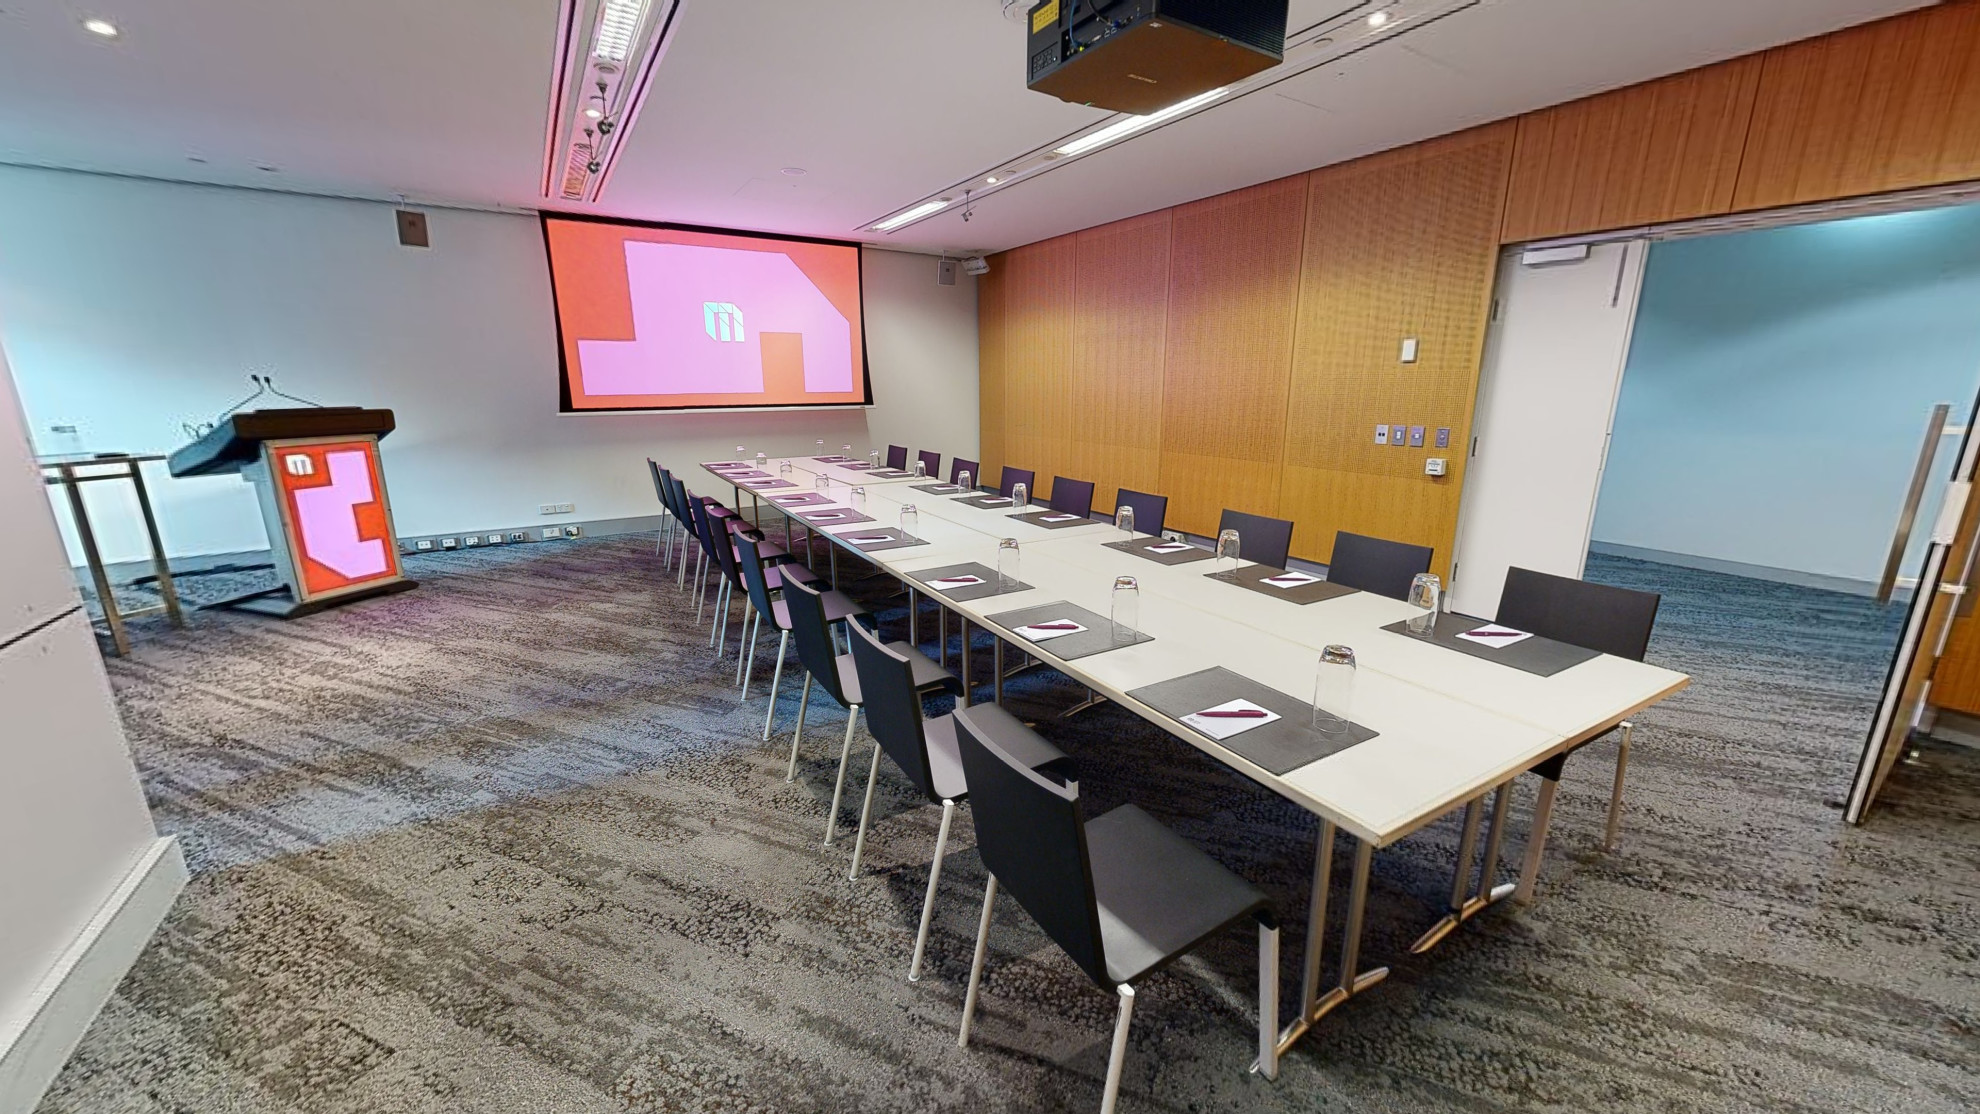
column 631, row 105
column 560, row 83
column 618, row 26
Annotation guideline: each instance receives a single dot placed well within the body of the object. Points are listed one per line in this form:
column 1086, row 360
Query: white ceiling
column 882, row 102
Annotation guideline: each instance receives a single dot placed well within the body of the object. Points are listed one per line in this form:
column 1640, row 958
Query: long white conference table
column 1450, row 728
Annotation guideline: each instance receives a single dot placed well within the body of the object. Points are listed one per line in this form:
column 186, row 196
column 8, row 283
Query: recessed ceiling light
column 101, row 27
column 912, row 215
column 991, row 179
column 1378, row 19
column 794, row 171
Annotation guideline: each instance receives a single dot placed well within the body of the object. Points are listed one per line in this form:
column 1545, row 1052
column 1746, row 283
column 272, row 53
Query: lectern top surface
column 236, row 441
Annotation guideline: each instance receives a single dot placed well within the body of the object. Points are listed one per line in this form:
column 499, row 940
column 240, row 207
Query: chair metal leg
column 1615, row 796
column 865, row 812
column 1119, row 1054
column 1268, row 998
column 776, row 683
column 749, row 670
column 976, row 964
column 700, row 589
column 839, row 786
column 797, row 732
column 928, row 903
column 1536, row 842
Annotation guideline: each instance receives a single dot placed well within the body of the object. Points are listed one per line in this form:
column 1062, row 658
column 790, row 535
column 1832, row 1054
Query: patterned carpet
column 508, row 843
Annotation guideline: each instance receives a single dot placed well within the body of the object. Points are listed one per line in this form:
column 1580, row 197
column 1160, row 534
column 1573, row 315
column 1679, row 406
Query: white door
column 1546, row 400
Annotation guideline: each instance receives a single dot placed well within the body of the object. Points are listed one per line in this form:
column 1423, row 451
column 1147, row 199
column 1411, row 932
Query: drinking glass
column 920, row 469
column 742, row 454
column 1227, row 550
column 760, row 458
column 1007, row 563
column 783, row 467
column 910, row 521
column 873, row 458
column 859, row 497
column 1426, row 592
column 846, row 451
column 1333, row 691
column 1124, row 520
column 822, row 482
column 1020, row 495
column 821, row 446
column 1127, row 608
column 963, row 480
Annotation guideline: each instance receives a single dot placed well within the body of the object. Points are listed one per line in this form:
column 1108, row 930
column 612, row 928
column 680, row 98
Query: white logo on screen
column 723, row 321
column 299, row 465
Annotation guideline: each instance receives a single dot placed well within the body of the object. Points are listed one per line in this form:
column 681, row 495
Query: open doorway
column 1768, row 426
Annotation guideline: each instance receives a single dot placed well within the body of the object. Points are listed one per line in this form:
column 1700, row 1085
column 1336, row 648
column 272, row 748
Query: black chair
column 1150, row 511
column 925, row 749
column 839, row 677
column 765, row 585
column 1015, row 476
column 681, row 510
column 724, row 530
column 1377, row 565
column 1072, row 496
column 1596, row 617
column 897, row 457
column 1121, row 894
column 1267, row 541
column 663, row 541
column 958, row 466
column 931, row 463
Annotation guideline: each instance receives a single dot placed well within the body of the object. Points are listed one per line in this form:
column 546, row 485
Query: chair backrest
column 897, row 457
column 1015, row 476
column 813, row 635
column 1267, row 541
column 1031, row 832
column 751, row 563
column 1376, row 564
column 1150, row 511
column 1593, row 616
column 957, row 466
column 724, row 541
column 704, row 524
column 663, row 482
column 931, row 463
column 659, row 486
column 893, row 708
column 1072, row 496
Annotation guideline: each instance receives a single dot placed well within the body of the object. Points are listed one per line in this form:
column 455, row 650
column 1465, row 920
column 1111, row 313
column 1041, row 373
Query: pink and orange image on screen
column 340, row 536
column 662, row 318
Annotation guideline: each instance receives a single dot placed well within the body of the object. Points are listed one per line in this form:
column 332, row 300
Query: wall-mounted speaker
column 412, row 229
column 945, row 273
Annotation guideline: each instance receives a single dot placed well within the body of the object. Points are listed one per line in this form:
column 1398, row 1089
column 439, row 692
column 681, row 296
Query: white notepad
column 1218, row 727
column 965, row 581
column 1037, row 635
column 1492, row 634
column 1060, row 518
column 1291, row 580
column 1169, row 547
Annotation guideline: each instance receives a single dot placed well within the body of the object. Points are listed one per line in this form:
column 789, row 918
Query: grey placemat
column 770, row 484
column 895, row 539
column 745, row 473
column 1282, row 746
column 1540, row 656
column 988, row 502
column 1139, row 547
column 848, row 516
column 833, row 459
column 1097, row 638
column 858, row 466
column 941, row 489
column 1253, row 577
column 1035, row 518
column 802, row 499
column 989, row 587
column 719, row 465
column 891, row 474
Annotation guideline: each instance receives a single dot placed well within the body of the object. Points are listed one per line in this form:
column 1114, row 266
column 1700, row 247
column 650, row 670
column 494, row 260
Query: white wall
column 135, row 307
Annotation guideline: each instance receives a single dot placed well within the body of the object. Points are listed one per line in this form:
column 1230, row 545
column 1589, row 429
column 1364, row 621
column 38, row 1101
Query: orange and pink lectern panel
column 664, row 318
column 322, row 492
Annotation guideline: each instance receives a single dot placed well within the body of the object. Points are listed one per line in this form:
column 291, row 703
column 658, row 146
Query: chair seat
column 774, row 577
column 838, row 606
column 1158, row 895
column 945, row 756
column 927, row 675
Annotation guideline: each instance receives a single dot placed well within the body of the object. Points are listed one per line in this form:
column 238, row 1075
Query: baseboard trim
column 39, row 1038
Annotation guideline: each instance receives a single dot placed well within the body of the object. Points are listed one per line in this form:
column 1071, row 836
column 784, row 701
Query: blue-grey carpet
column 510, row 843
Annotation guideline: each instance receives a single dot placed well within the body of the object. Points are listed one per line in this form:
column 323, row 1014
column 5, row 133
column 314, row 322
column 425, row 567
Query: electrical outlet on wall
column 450, row 543
column 423, row 544
column 552, row 532
column 471, row 540
column 573, row 531
column 1381, row 435
column 518, row 536
column 557, row 508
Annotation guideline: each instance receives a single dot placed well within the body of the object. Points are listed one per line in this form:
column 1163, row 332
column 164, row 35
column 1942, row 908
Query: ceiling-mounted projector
column 1140, row 56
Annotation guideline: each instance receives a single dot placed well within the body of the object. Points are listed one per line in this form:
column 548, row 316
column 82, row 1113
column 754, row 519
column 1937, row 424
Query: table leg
column 160, row 565
column 969, row 689
column 1536, row 841
column 1467, row 900
column 942, row 635
column 914, row 616
column 1352, row 980
column 835, row 564
column 997, row 671
column 94, row 559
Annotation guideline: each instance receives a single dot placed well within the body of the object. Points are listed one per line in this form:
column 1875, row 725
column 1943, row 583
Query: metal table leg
column 94, row 559
column 1536, row 841
column 1352, row 980
column 997, row 671
column 1467, row 901
column 969, row 688
column 914, row 616
column 160, row 567
column 942, row 635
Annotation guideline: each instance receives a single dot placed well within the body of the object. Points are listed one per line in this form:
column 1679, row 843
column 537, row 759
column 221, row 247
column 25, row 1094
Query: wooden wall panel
column 1233, row 280
column 1398, row 245
column 1662, row 151
column 990, row 372
column 1120, row 317
column 1889, row 105
column 1038, row 320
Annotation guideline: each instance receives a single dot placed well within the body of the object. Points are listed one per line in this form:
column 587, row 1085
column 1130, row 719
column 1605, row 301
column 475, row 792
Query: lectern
column 323, row 500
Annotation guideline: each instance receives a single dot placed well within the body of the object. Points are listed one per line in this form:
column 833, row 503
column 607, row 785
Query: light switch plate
column 1443, row 437
column 1398, row 435
column 1416, row 437
column 1381, row 435
column 1409, row 350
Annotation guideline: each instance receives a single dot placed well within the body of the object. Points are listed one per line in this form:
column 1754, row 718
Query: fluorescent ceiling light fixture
column 101, row 27
column 1124, row 128
column 912, row 215
column 618, row 24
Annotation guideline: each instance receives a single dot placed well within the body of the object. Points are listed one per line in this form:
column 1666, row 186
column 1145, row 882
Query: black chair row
column 931, row 462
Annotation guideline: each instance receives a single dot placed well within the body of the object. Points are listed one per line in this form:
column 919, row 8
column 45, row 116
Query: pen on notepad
column 1240, row 713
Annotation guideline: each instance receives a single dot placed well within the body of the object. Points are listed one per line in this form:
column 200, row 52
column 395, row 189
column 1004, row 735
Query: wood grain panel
column 1233, row 279
column 1038, row 329
column 1399, row 245
column 1662, row 151
column 1889, row 105
column 990, row 369
column 1120, row 317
